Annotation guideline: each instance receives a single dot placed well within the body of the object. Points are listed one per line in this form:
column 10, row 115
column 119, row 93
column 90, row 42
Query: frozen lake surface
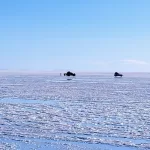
column 97, row 112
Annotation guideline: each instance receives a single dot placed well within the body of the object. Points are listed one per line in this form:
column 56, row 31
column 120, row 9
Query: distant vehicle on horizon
column 116, row 74
column 69, row 74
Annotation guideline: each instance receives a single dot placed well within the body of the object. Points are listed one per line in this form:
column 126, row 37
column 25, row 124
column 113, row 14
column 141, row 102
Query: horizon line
column 3, row 71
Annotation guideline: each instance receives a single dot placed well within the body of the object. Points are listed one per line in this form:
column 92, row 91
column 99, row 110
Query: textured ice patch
column 94, row 110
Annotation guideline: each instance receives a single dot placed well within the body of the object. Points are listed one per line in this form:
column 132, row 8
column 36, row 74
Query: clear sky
column 82, row 35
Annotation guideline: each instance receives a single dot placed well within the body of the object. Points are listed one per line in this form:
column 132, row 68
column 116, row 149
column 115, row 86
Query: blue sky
column 81, row 35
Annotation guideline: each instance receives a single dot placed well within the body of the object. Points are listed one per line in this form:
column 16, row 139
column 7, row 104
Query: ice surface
column 96, row 110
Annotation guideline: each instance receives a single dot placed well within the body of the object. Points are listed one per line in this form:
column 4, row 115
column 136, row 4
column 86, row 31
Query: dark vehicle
column 69, row 74
column 116, row 74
